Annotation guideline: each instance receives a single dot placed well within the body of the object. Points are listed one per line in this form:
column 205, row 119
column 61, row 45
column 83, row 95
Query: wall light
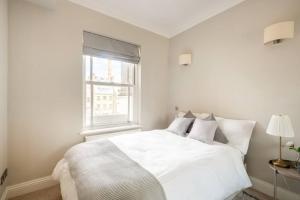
column 185, row 59
column 275, row 33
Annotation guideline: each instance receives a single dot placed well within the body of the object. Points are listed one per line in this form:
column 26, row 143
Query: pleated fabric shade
column 280, row 125
column 105, row 47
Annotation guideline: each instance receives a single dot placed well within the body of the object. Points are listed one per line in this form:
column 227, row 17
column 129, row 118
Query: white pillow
column 180, row 125
column 203, row 130
column 238, row 132
column 180, row 114
column 201, row 115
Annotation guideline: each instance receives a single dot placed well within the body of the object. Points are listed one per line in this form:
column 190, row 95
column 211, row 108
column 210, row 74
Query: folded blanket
column 101, row 171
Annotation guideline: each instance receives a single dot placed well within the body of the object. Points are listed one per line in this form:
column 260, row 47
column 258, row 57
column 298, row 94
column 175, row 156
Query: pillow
column 201, row 115
column 219, row 135
column 238, row 132
column 180, row 125
column 189, row 114
column 180, row 114
column 203, row 130
column 197, row 115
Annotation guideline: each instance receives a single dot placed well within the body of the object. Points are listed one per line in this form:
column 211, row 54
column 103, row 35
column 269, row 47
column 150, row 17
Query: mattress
column 187, row 169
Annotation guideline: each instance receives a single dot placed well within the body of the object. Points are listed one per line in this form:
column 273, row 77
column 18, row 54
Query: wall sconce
column 275, row 33
column 185, row 59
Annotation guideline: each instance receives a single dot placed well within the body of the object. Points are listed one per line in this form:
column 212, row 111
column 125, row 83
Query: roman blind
column 105, row 47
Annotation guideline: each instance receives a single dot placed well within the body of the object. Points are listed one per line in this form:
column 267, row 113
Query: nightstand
column 287, row 172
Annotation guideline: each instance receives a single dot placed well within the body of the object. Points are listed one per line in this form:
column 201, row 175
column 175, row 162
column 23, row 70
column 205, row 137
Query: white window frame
column 136, row 86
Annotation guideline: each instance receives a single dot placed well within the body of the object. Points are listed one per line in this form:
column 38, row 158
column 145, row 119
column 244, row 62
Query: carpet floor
column 53, row 193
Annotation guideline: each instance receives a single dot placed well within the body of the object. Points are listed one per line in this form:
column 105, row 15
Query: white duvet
column 187, row 169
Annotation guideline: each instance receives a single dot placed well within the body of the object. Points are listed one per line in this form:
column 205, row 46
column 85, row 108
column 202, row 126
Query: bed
column 187, row 169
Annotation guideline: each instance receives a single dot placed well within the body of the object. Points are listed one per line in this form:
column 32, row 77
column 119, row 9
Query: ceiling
column 164, row 17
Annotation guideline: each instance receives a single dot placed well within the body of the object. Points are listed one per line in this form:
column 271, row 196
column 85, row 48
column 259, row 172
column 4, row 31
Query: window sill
column 110, row 130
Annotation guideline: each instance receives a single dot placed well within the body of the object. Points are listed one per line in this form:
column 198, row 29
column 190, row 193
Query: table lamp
column 280, row 125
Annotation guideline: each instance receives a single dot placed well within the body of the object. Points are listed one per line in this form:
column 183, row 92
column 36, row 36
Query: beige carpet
column 53, row 193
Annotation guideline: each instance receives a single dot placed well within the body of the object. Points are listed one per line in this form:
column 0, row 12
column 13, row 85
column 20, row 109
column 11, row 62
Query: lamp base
column 281, row 163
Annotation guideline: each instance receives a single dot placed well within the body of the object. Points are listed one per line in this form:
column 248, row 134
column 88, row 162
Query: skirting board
column 29, row 186
column 45, row 182
column 268, row 189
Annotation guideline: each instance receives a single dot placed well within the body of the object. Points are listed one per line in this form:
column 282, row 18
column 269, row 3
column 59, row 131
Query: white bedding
column 187, row 169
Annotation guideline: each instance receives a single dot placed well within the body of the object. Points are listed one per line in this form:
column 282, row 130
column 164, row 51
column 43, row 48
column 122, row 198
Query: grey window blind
column 105, row 47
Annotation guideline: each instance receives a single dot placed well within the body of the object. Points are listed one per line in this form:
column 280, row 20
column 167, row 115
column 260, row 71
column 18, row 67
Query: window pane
column 105, row 70
column 110, row 105
column 131, row 104
column 87, row 63
column 88, row 105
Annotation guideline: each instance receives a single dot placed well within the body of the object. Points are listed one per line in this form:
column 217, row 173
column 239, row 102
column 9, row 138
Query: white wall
column 45, row 81
column 3, row 87
column 234, row 75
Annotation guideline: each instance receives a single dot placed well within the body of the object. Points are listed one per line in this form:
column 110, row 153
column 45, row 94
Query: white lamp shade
column 279, row 31
column 185, row 59
column 280, row 125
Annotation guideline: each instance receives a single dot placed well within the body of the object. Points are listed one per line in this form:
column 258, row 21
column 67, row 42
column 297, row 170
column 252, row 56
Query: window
column 111, row 90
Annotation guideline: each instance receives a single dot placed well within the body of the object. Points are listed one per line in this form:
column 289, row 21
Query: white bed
column 187, row 169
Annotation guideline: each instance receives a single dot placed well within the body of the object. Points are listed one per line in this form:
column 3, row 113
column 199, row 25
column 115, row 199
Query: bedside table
column 287, row 172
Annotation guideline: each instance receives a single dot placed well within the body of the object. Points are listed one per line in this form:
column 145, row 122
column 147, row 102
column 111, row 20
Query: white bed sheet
column 187, row 169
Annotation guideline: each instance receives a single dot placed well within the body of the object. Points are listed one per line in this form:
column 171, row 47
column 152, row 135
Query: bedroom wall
column 3, row 88
column 45, row 81
column 234, row 75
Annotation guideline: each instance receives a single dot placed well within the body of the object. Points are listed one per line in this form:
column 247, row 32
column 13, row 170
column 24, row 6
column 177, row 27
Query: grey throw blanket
column 101, row 171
